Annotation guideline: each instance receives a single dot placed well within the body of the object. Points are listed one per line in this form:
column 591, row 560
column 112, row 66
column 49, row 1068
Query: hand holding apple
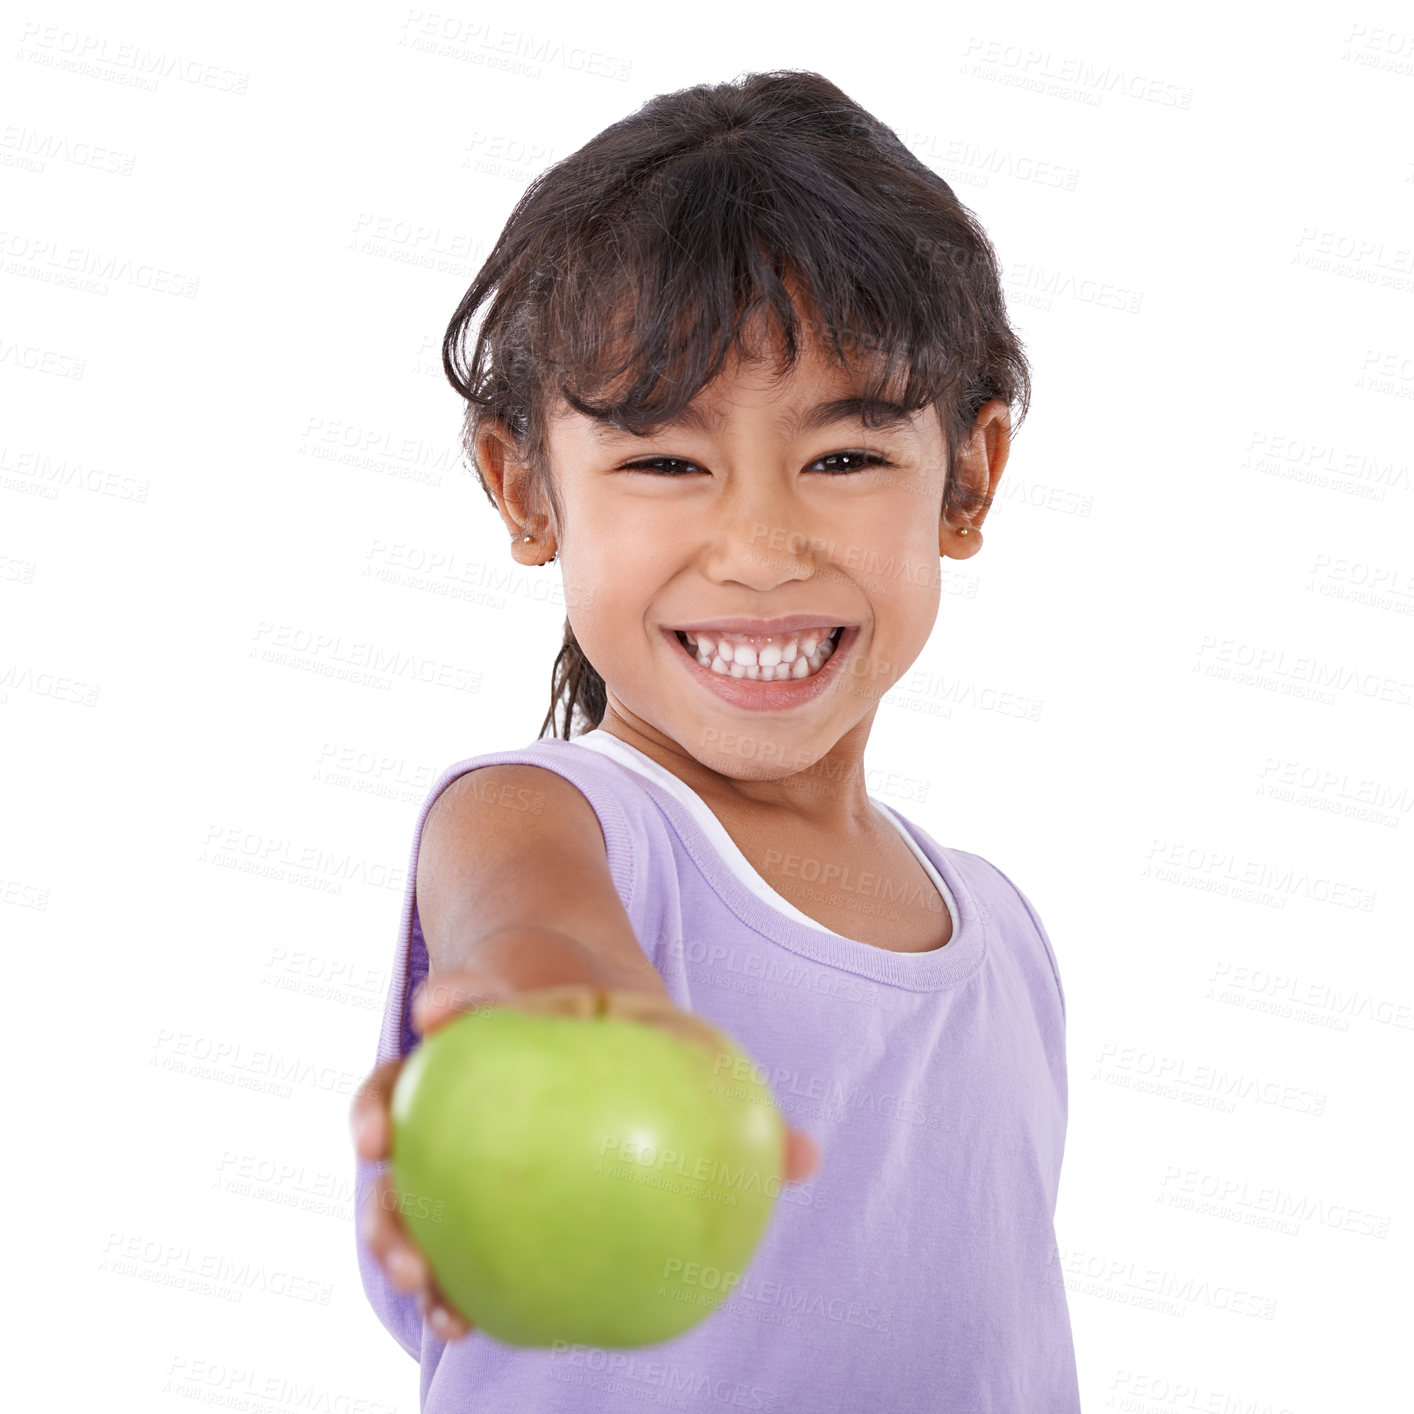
column 387, row 1236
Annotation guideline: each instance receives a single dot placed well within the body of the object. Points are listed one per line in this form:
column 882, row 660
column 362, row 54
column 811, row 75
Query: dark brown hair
column 628, row 272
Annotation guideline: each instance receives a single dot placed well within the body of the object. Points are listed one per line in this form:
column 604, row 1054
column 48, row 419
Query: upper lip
column 789, row 623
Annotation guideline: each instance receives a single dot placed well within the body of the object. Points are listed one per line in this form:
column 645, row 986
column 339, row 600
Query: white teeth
column 769, row 663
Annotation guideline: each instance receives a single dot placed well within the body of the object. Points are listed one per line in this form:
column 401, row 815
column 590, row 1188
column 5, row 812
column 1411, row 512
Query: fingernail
column 441, row 1322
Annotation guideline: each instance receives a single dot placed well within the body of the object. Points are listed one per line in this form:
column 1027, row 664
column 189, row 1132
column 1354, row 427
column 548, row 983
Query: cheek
column 622, row 558
column 608, row 611
column 897, row 521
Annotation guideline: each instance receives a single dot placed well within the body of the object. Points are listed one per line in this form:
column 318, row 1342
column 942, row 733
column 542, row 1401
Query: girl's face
column 766, row 502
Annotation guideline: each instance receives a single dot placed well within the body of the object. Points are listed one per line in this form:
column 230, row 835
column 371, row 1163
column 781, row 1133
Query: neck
column 827, row 793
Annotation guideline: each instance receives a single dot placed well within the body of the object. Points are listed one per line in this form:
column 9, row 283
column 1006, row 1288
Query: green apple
column 587, row 1179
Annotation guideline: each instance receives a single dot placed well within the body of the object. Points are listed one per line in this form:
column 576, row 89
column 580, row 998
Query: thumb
column 802, row 1156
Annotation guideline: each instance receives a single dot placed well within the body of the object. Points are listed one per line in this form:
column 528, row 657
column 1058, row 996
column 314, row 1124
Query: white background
column 225, row 431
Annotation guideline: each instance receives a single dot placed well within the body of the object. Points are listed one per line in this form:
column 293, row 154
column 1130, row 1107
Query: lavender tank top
column 917, row 1270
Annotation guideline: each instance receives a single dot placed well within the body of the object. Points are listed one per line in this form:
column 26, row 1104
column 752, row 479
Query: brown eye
column 840, row 464
column 649, row 463
column 858, row 460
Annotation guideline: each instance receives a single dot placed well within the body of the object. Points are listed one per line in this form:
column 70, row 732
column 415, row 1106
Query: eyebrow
column 695, row 418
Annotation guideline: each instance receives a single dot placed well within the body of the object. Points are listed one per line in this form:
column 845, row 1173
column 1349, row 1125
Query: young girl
column 747, row 376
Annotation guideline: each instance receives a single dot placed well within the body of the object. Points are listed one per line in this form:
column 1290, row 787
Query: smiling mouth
column 776, row 658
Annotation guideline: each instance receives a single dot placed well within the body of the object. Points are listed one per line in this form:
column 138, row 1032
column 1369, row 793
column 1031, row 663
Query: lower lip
column 764, row 696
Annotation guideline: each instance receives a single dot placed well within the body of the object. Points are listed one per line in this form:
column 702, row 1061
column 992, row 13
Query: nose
column 758, row 539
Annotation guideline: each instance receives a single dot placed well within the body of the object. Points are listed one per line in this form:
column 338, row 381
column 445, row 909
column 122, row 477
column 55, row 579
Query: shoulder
column 543, row 775
column 1004, row 910
column 553, row 786
column 1007, row 908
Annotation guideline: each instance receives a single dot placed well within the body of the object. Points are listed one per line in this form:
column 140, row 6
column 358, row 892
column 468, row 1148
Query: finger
column 568, row 999
column 802, row 1156
column 405, row 1265
column 447, row 994
column 386, row 1239
column 368, row 1115
column 441, row 1315
column 654, row 1009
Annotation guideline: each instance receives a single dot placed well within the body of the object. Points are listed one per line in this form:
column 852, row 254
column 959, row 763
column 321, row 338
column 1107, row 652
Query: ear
column 979, row 468
column 511, row 487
